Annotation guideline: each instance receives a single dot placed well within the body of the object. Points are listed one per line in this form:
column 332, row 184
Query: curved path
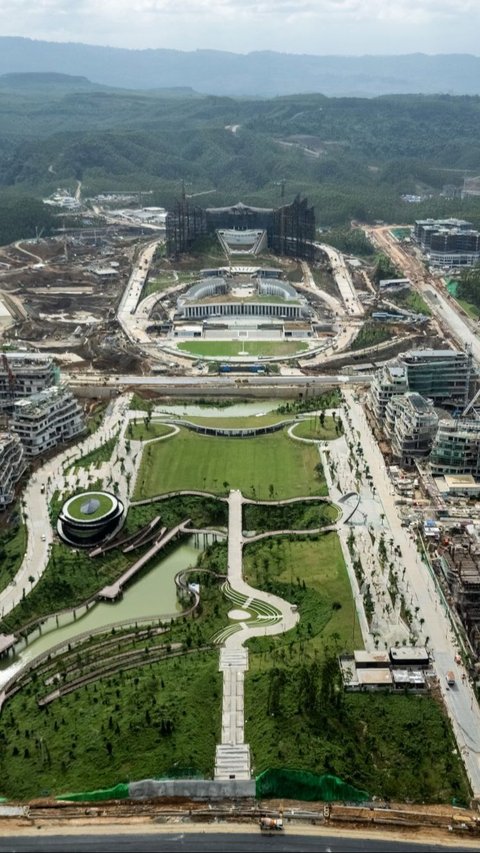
column 57, row 475
column 232, row 757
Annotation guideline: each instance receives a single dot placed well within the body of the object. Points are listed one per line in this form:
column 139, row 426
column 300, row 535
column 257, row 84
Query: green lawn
column 311, row 573
column 70, row 578
column 75, row 508
column 142, row 431
column 313, row 429
column 238, row 423
column 217, row 464
column 225, row 349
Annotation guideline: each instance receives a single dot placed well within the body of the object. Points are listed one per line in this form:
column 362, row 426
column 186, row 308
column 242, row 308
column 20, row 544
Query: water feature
column 153, row 594
column 236, row 410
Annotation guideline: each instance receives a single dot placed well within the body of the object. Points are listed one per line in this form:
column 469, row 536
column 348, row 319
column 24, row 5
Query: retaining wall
column 193, row 789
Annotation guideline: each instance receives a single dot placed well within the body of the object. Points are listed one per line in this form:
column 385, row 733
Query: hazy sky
column 294, row 26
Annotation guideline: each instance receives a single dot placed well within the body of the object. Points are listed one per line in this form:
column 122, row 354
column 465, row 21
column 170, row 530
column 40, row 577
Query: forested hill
column 262, row 73
column 353, row 157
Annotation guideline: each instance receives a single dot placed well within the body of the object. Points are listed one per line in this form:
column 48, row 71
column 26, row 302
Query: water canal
column 153, row 594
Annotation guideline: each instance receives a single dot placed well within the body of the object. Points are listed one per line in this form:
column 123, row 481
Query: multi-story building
column 456, row 448
column 22, row 374
column 448, row 242
column 12, row 466
column 389, row 380
column 46, row 419
column 410, row 424
column 444, row 376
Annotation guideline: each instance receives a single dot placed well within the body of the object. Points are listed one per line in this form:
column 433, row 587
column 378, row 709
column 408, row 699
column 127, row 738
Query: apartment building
column 411, row 425
column 389, row 381
column 46, row 419
column 448, row 242
column 444, row 376
column 12, row 466
column 22, row 374
column 456, row 448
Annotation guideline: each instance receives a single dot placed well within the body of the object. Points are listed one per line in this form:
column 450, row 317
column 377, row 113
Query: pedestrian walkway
column 461, row 703
column 232, row 759
column 233, row 754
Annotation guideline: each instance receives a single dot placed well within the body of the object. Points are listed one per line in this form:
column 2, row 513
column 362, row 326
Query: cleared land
column 312, row 428
column 225, row 349
column 297, row 714
column 216, row 464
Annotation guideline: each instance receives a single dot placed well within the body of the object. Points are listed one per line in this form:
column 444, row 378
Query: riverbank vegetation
column 72, row 576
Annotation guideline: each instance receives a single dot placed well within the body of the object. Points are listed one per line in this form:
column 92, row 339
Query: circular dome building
column 89, row 518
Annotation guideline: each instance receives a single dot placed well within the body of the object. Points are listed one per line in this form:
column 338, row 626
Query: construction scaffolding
column 290, row 229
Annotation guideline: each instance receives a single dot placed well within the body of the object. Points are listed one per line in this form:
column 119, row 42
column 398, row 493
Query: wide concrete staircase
column 232, row 758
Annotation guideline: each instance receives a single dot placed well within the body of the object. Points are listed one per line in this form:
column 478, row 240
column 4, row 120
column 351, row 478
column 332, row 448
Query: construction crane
column 471, row 405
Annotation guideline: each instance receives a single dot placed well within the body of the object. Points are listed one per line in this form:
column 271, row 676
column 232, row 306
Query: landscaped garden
column 218, row 464
column 159, row 719
column 297, row 713
column 319, row 428
column 13, row 543
column 145, row 430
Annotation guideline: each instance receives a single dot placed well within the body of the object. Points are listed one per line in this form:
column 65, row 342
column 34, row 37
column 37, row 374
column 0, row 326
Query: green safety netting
column 118, row 792
column 301, row 785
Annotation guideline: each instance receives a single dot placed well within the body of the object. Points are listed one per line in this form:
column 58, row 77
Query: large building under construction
column 289, row 230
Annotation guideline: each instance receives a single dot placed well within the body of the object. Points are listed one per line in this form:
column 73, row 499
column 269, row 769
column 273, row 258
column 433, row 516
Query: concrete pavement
column 232, row 759
column 353, row 306
column 119, row 474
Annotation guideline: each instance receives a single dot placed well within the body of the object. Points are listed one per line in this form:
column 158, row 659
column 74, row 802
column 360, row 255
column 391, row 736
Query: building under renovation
column 460, row 562
column 289, row 230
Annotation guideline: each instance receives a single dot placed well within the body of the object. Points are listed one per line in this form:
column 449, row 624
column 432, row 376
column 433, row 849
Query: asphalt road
column 212, row 842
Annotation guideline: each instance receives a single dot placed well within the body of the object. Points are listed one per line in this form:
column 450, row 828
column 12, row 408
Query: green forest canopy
column 352, row 157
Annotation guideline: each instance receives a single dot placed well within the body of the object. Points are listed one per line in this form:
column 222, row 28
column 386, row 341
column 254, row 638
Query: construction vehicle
column 271, row 825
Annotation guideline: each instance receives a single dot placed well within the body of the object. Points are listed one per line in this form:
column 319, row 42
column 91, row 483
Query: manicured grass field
column 313, row 429
column 216, row 464
column 311, row 573
column 75, row 507
column 238, row 423
column 224, row 349
column 144, row 432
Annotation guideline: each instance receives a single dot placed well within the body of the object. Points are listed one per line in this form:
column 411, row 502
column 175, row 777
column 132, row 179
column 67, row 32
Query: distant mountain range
column 262, row 73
